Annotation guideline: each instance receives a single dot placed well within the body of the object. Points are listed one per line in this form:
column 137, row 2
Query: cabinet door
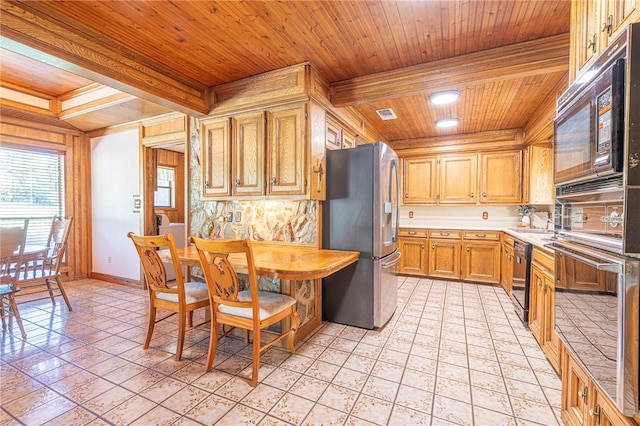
column 575, row 392
column 614, row 16
column 348, row 139
column 419, row 180
column 507, row 268
column 248, row 155
column 551, row 341
column 481, row 261
column 584, row 37
column 458, row 179
column 286, row 162
column 501, row 177
column 603, row 413
column 333, row 135
column 414, row 256
column 216, row 156
column 536, row 304
column 444, row 258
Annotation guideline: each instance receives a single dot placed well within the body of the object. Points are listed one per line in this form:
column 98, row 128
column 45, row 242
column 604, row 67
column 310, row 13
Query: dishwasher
column 521, row 279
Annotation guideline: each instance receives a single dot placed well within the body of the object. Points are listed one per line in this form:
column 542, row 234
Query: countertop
column 535, row 236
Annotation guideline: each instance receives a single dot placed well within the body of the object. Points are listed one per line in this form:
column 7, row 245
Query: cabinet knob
column 444, row 234
column 484, row 194
column 584, row 393
column 472, row 195
column 406, row 195
column 468, row 248
column 433, row 246
column 421, row 246
column 595, row 413
column 237, row 182
column 412, row 232
column 273, row 181
column 591, row 43
column 607, row 26
column 206, row 184
column 481, row 235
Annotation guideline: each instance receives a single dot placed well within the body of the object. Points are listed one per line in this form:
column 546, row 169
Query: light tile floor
column 453, row 354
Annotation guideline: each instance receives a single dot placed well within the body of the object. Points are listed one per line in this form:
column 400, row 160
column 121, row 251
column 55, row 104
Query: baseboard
column 116, row 280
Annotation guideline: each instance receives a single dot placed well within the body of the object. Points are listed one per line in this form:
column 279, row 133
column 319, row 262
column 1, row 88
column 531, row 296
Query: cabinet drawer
column 444, row 233
column 507, row 239
column 413, row 232
column 544, row 260
column 481, row 235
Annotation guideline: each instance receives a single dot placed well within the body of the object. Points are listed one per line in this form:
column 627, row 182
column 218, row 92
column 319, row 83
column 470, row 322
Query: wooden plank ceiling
column 506, row 57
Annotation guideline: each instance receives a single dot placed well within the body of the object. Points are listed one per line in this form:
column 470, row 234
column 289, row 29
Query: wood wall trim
column 116, row 280
column 482, row 141
column 50, row 38
column 541, row 56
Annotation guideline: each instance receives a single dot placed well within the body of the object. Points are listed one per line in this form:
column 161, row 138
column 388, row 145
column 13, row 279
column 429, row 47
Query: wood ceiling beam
column 541, row 56
column 61, row 44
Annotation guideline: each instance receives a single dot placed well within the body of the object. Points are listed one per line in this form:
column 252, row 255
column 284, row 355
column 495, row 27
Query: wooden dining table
column 284, row 261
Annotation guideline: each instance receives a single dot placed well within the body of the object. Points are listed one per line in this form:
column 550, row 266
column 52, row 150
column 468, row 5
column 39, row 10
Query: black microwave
column 589, row 128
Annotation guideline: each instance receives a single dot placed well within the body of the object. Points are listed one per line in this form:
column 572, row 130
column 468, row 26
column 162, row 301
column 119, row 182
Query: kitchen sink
column 532, row 230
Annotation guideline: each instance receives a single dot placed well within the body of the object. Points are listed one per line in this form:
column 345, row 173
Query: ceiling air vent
column 386, row 114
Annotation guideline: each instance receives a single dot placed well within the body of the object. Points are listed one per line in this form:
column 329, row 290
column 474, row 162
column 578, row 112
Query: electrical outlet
column 485, row 215
column 411, row 215
column 108, row 259
column 237, row 217
column 230, row 217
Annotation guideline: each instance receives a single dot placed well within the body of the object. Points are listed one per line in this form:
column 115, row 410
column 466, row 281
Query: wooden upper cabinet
column 286, row 162
column 348, row 139
column 595, row 23
column 337, row 136
column 333, row 135
column 216, row 146
column 420, row 180
column 248, row 155
column 615, row 15
column 458, row 178
column 501, row 177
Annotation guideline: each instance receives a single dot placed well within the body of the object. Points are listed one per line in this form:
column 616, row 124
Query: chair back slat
column 11, row 247
column 221, row 276
column 153, row 265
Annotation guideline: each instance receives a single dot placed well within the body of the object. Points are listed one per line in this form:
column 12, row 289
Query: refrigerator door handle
column 395, row 258
column 395, row 218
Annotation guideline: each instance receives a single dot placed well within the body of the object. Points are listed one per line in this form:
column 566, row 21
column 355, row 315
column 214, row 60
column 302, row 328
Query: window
column 165, row 193
column 31, row 187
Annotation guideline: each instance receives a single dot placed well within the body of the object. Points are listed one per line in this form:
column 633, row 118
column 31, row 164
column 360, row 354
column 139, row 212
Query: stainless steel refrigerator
column 361, row 214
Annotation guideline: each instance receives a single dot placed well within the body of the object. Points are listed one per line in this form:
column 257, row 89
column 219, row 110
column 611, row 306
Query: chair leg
column 256, row 357
column 190, row 319
column 182, row 325
column 213, row 344
column 53, row 299
column 295, row 323
column 2, row 312
column 64, row 294
column 14, row 311
column 150, row 327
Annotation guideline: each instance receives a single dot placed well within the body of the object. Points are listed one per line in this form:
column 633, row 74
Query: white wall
column 459, row 217
column 115, row 179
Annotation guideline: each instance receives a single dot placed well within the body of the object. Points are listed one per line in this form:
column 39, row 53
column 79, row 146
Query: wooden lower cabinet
column 506, row 264
column 444, row 258
column 414, row 252
column 541, row 301
column 480, row 257
column 583, row 402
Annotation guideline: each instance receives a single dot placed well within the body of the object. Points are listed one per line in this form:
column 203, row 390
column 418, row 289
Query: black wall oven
column 597, row 221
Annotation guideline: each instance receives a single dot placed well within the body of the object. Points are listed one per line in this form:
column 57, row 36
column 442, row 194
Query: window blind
column 31, row 187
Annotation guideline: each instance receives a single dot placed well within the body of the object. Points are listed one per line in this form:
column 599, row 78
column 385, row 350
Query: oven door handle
column 609, row 267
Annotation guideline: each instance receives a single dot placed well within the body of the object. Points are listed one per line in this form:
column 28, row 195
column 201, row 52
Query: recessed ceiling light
column 444, row 123
column 444, row 97
column 386, row 114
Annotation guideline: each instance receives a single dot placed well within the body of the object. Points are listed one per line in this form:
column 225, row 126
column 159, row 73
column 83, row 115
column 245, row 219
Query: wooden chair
column 177, row 296
column 41, row 273
column 251, row 310
column 11, row 242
